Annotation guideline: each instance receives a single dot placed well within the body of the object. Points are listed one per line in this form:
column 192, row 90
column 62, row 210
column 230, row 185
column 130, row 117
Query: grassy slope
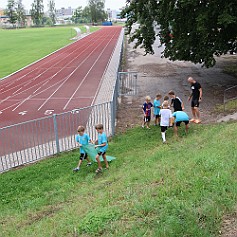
column 180, row 189
column 19, row 48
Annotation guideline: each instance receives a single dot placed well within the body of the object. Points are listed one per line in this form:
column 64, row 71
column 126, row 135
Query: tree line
column 94, row 12
column 190, row 30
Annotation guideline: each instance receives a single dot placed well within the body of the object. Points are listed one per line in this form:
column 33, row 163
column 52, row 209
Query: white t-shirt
column 165, row 117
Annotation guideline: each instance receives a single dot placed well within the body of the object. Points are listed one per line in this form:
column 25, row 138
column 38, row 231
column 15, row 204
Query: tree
column 193, row 31
column 97, row 12
column 52, row 12
column 77, row 15
column 37, row 12
column 86, row 15
column 20, row 13
column 11, row 11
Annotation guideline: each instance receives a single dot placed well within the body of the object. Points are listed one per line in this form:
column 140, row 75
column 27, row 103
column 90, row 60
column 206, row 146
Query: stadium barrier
column 31, row 141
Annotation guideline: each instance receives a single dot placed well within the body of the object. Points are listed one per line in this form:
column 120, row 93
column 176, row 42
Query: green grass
column 231, row 69
column 180, row 189
column 229, row 107
column 21, row 47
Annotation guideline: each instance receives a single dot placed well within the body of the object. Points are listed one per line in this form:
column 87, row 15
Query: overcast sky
column 113, row 4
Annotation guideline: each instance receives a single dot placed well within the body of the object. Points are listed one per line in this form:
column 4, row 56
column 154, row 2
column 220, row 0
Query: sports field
column 19, row 48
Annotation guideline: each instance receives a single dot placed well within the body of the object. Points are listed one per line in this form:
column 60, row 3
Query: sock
column 163, row 136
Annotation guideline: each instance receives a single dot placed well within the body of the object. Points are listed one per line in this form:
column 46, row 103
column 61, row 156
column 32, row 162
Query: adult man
column 196, row 97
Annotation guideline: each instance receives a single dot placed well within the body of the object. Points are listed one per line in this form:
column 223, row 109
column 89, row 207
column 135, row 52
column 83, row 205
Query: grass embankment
column 23, row 46
column 180, row 189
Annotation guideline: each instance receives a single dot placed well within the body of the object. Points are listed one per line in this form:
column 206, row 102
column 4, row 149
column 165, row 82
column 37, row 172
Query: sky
column 112, row 4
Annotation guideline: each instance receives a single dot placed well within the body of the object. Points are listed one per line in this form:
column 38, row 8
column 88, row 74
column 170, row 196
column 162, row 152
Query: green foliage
column 183, row 188
column 52, row 12
column 96, row 9
column 77, row 16
column 11, row 11
column 193, row 31
column 37, row 12
column 20, row 12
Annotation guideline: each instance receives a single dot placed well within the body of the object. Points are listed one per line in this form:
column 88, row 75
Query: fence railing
column 230, row 95
column 33, row 140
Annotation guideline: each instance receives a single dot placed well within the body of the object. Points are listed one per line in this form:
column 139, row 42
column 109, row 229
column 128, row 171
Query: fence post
column 56, row 132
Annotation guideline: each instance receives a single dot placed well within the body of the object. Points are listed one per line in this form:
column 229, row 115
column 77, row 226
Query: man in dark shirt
column 195, row 97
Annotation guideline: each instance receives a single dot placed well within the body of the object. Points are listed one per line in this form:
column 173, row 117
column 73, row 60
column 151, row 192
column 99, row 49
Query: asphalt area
column 159, row 75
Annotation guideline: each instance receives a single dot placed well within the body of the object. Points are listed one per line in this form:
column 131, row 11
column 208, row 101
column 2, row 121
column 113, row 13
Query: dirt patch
column 161, row 75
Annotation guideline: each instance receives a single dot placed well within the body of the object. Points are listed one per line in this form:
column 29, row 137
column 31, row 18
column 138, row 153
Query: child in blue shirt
column 157, row 107
column 82, row 139
column 102, row 145
column 180, row 116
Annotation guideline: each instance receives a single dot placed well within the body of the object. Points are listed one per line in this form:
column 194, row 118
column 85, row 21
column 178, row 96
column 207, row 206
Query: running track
column 65, row 80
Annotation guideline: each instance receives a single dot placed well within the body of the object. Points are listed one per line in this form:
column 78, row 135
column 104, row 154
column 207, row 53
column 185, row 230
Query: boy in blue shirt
column 180, row 116
column 157, row 107
column 82, row 139
column 102, row 145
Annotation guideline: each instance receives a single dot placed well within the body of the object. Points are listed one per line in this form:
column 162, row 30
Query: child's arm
column 101, row 145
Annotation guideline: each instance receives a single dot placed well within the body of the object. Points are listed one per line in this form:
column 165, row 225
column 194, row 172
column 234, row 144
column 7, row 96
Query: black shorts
column 195, row 103
column 147, row 118
column 157, row 116
column 101, row 153
column 177, row 124
column 163, row 128
column 83, row 156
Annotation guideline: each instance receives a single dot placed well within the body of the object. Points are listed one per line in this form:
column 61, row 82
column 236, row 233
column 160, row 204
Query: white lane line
column 22, row 102
column 17, row 91
column 68, row 77
column 87, row 73
column 38, row 68
column 48, row 79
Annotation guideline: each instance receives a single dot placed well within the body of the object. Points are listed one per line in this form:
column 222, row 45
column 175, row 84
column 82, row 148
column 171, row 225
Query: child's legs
column 175, row 130
column 79, row 163
column 98, row 161
column 105, row 160
column 163, row 130
column 186, row 126
column 148, row 119
column 82, row 157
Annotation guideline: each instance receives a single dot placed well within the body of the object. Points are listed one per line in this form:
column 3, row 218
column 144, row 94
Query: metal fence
column 33, row 140
column 230, row 96
column 128, row 83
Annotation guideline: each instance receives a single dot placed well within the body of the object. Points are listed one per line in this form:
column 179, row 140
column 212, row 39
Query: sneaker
column 76, row 169
column 88, row 164
column 142, row 126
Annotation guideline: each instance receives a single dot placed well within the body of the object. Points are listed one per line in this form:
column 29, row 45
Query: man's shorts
column 177, row 124
column 163, row 128
column 195, row 103
column 101, row 153
column 83, row 156
column 157, row 116
column 147, row 118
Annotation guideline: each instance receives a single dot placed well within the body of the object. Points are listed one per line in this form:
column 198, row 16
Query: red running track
column 65, row 80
